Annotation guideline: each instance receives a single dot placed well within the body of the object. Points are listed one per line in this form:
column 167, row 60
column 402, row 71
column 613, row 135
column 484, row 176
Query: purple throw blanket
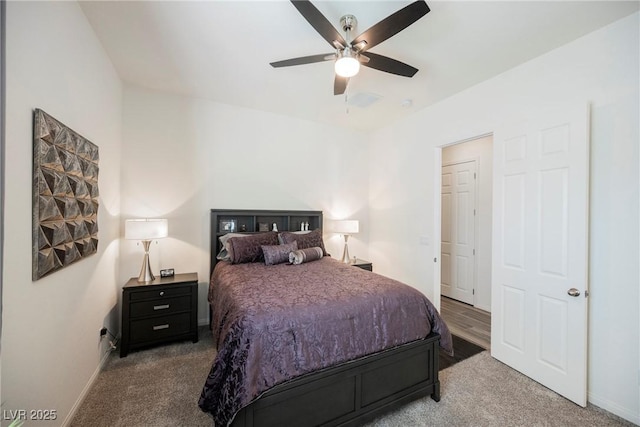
column 274, row 323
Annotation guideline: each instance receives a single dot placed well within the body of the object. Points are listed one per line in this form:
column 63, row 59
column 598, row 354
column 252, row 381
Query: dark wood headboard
column 224, row 221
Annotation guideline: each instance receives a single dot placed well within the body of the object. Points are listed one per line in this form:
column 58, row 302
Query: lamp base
column 146, row 275
column 345, row 252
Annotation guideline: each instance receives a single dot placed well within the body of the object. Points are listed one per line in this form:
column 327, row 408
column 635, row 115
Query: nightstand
column 160, row 311
column 365, row 265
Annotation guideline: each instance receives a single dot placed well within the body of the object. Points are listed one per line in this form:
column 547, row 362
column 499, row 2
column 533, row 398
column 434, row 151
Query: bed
column 320, row 343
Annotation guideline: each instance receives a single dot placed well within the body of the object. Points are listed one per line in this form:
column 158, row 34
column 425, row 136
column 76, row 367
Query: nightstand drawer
column 145, row 330
column 160, row 306
column 165, row 292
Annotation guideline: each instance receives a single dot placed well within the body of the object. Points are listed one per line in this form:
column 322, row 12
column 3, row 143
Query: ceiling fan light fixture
column 347, row 66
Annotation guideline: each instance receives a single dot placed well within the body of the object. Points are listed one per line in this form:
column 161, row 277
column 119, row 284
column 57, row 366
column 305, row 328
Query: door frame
column 437, row 212
column 3, row 91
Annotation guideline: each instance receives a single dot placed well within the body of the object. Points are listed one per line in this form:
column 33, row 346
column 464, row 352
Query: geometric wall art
column 65, row 196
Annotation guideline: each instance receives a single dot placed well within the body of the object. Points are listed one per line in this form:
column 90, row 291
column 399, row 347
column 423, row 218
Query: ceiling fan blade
column 303, row 60
column 318, row 22
column 389, row 65
column 340, row 85
column 392, row 24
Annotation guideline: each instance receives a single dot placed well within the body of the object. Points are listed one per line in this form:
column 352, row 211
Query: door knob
column 574, row 292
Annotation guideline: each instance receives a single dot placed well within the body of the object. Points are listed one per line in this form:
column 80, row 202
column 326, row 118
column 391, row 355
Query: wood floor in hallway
column 467, row 322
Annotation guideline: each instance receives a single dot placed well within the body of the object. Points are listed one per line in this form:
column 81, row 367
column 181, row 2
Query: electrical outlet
column 103, row 332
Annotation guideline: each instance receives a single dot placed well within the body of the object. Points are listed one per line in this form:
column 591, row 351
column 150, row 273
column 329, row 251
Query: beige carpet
column 160, row 387
column 480, row 391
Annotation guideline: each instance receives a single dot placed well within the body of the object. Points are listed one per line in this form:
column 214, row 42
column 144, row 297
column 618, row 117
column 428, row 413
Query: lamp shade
column 146, row 229
column 346, row 226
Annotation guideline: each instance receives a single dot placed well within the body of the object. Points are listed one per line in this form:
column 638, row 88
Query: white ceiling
column 221, row 50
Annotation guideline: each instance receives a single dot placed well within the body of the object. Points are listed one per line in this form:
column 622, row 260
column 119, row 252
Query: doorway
column 540, row 245
column 465, row 268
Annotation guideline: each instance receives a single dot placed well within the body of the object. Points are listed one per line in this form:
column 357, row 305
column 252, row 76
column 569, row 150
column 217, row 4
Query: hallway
column 467, row 322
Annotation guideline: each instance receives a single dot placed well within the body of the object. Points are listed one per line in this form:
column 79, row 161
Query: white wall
column 480, row 150
column 50, row 336
column 184, row 156
column 601, row 68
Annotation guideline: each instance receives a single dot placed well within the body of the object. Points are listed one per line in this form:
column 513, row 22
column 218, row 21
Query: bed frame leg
column 436, row 391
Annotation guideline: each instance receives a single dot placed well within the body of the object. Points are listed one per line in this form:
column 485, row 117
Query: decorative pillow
column 309, row 240
column 278, row 254
column 305, row 255
column 249, row 248
column 224, row 254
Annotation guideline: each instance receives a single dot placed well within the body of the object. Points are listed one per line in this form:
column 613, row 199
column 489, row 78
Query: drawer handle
column 161, row 307
column 159, row 327
column 162, row 293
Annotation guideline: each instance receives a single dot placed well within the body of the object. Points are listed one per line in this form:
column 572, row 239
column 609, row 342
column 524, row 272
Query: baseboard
column 87, row 387
column 483, row 308
column 614, row 408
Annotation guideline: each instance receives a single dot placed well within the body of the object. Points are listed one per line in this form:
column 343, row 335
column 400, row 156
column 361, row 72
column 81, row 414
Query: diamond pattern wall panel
column 65, row 196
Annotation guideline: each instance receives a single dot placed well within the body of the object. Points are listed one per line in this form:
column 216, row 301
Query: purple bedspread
column 275, row 323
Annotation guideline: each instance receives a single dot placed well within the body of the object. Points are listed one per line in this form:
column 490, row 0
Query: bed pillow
column 310, row 240
column 249, row 248
column 224, row 254
column 277, row 254
column 294, row 232
column 305, row 255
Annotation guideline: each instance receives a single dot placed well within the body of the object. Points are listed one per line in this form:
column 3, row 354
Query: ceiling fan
column 350, row 54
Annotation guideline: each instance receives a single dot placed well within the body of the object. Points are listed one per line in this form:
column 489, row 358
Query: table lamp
column 346, row 227
column 145, row 230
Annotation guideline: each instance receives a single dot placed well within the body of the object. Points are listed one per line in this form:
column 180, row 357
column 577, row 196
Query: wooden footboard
column 350, row 393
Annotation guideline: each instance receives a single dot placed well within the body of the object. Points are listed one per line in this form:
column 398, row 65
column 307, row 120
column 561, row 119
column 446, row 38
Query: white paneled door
column 540, row 248
column 458, row 231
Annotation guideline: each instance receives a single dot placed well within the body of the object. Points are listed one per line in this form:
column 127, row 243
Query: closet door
column 458, row 269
